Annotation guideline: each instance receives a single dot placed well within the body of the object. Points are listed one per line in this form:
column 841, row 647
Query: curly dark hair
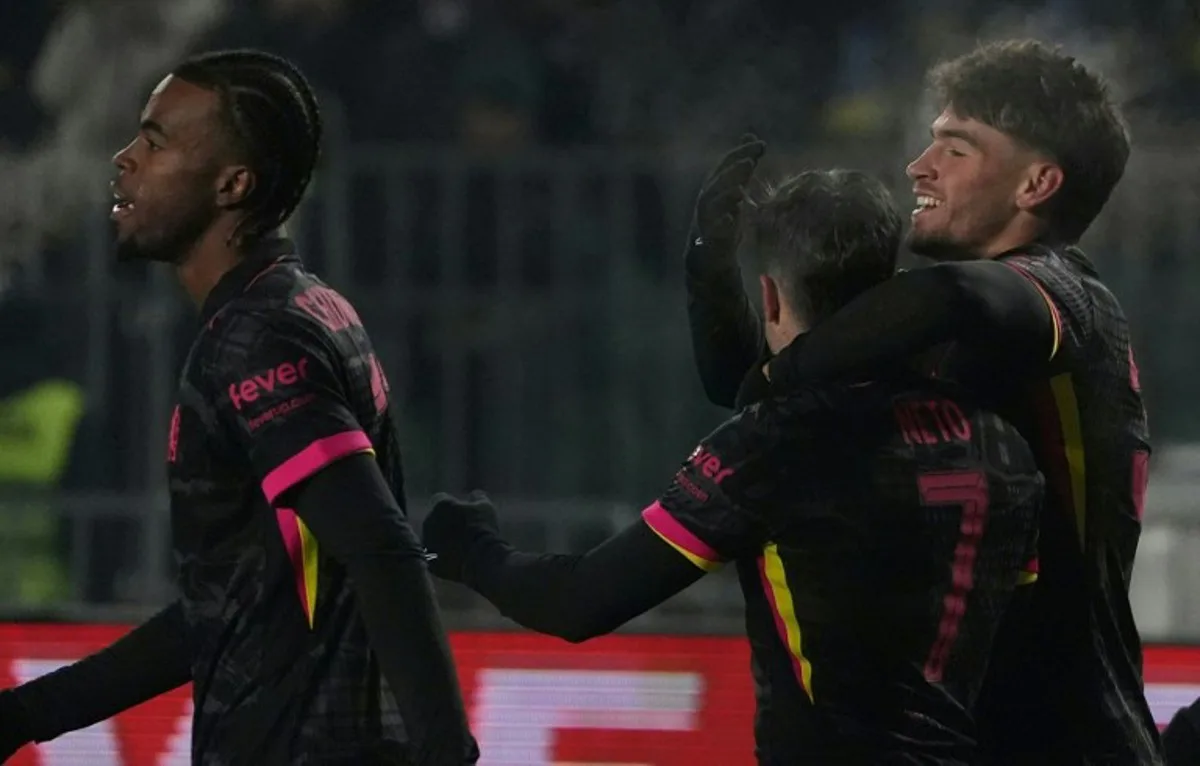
column 1053, row 104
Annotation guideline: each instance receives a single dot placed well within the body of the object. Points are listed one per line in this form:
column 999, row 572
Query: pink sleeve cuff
column 678, row 537
column 312, row 459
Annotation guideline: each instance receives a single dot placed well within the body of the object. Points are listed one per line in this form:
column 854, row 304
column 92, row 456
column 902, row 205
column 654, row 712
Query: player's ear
column 235, row 184
column 1039, row 183
column 770, row 299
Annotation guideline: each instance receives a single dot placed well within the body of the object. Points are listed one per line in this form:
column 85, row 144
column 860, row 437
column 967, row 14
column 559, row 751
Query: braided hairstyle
column 269, row 112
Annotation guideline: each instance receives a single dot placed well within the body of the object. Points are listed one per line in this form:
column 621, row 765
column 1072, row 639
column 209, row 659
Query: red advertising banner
column 534, row 701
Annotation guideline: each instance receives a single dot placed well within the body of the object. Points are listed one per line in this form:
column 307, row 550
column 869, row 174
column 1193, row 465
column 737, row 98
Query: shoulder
column 802, row 416
column 253, row 336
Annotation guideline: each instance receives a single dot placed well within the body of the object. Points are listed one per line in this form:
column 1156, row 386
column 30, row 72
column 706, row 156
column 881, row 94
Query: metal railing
column 530, row 315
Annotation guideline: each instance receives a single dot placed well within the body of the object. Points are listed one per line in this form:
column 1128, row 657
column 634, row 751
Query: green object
column 37, row 429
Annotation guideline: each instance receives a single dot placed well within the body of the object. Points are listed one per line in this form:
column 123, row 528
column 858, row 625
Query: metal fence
column 529, row 311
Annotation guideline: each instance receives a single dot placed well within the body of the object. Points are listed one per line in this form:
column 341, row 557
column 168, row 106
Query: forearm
column 725, row 329
column 577, row 597
column 980, row 304
column 406, row 633
column 352, row 513
column 152, row 659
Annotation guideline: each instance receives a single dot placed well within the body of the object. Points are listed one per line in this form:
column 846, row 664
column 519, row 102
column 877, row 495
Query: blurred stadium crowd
column 504, row 194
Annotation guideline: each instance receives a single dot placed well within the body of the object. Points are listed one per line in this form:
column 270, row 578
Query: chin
column 129, row 248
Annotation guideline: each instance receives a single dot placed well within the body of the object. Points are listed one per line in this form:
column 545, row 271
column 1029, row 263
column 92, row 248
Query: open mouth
column 924, row 203
column 122, row 206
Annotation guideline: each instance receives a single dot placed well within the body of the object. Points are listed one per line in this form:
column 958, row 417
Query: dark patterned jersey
column 280, row 382
column 878, row 531
column 1067, row 671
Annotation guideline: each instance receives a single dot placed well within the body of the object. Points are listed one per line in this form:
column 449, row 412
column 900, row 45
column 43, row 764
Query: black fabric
column 1064, row 684
column 976, row 302
column 1181, row 738
column 150, row 660
column 755, row 387
column 878, row 532
column 281, row 383
column 726, row 331
column 574, row 597
column 351, row 510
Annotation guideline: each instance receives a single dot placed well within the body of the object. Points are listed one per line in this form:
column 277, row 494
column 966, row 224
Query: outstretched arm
column 574, row 597
column 985, row 304
column 150, row 660
column 692, row 529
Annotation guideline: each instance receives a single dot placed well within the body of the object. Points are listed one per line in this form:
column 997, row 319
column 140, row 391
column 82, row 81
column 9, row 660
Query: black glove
column 14, row 727
column 712, row 239
column 453, row 527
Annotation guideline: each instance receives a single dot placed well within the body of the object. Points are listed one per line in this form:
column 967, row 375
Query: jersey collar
column 265, row 254
column 1048, row 248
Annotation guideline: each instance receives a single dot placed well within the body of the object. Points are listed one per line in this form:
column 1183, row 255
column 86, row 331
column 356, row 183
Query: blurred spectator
column 40, row 409
column 91, row 77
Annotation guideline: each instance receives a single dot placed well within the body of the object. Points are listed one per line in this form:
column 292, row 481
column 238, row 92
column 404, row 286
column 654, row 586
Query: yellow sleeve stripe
column 675, row 535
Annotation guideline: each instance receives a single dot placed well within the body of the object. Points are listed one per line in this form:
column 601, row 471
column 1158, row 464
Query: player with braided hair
column 305, row 618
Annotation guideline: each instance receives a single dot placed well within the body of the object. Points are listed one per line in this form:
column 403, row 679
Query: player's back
column 900, row 518
column 280, row 382
column 1066, row 681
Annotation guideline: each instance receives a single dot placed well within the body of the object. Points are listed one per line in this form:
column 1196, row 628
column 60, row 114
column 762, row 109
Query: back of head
column 825, row 236
column 271, row 119
column 1053, row 104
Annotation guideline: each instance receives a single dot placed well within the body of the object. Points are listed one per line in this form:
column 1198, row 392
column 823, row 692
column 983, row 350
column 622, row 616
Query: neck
column 1020, row 232
column 210, row 259
column 781, row 334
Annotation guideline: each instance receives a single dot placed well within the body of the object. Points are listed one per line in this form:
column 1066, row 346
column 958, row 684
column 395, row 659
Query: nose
column 922, row 167
column 123, row 159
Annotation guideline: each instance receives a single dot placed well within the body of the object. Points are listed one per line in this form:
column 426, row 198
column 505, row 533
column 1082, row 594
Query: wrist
column 485, row 550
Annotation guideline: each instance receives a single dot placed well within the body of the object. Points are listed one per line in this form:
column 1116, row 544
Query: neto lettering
column 931, row 421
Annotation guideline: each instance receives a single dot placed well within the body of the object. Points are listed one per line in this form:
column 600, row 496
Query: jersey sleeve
column 981, row 304
column 278, row 391
column 1051, row 305
column 702, row 514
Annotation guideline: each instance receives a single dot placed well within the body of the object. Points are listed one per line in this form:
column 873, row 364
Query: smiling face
column 976, row 191
column 166, row 186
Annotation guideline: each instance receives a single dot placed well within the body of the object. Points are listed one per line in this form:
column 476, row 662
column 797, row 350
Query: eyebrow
column 150, row 126
column 955, row 133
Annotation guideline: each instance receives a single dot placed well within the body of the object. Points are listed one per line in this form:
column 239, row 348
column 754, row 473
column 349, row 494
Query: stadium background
column 504, row 196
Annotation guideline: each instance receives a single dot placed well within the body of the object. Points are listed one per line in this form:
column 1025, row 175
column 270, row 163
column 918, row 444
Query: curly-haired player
column 1026, row 151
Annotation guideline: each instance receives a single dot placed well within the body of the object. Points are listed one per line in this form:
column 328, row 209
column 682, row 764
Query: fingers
column 750, row 148
column 728, row 186
column 446, row 500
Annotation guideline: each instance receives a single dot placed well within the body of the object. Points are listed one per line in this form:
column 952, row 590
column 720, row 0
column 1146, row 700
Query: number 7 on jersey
column 968, row 490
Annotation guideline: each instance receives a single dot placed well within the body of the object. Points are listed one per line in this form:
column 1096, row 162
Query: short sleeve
column 277, row 389
column 703, row 513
